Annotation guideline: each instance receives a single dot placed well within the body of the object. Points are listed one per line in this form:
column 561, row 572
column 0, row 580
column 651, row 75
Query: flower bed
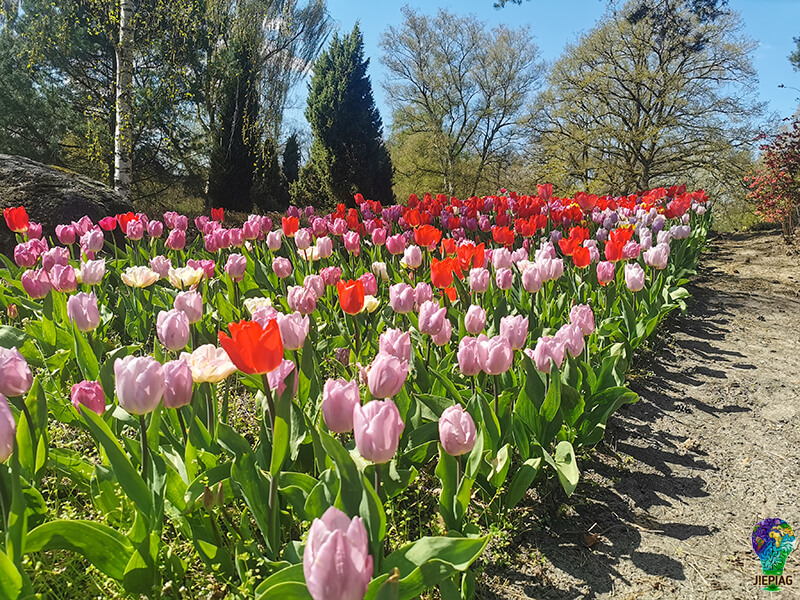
column 480, row 342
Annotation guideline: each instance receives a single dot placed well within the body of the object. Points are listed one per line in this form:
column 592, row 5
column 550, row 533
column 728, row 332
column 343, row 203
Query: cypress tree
column 348, row 154
column 291, row 159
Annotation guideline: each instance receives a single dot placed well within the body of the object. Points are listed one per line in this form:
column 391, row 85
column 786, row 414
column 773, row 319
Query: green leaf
column 141, row 571
column 87, row 360
column 350, row 488
column 430, row 560
column 10, row 579
column 289, row 590
column 522, row 481
column 500, row 464
column 11, row 337
column 106, row 548
column 566, row 466
column 127, row 476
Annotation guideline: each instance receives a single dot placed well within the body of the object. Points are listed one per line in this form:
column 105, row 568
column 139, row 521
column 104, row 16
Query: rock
column 52, row 196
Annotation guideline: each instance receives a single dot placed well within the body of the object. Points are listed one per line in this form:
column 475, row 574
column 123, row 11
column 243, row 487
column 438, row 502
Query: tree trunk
column 123, row 164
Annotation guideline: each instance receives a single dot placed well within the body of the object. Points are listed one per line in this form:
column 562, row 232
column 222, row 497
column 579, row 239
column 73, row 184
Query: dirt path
column 712, row 447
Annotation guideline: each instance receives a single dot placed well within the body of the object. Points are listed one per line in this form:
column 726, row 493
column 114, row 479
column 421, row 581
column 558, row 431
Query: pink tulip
column 172, row 327
column 468, row 360
column 191, row 304
column 139, row 383
column 397, row 343
column 631, row 250
column 444, row 335
column 377, row 427
column 294, row 330
column 352, row 242
column 25, row 255
column 515, row 329
column 302, row 239
column 83, row 225
column 251, row 230
column 479, row 280
column 386, row 376
column 422, row 293
column 176, row 240
column 504, row 278
column 208, row 266
column 315, row 283
column 324, row 247
column 55, row 256
column 338, row 227
column 278, row 377
column 282, row 267
column 336, row 560
column 82, row 311
column 236, row 237
column 475, row 319
column 379, row 236
column 89, row 394
column 634, row 277
column 547, row 349
column 657, row 257
column 8, row 431
column 401, row 298
column 339, row 398
column 396, row 244
column 431, row 317
column 177, row 383
column 532, row 279
column 605, row 272
column 155, row 229
column 370, row 284
column 135, row 230
column 457, row 431
column 495, row 354
column 160, row 264
column 301, row 299
column 501, row 258
column 571, row 336
column 552, row 269
column 235, row 266
column 412, row 257
column 331, row 275
column 63, row 278
column 15, row 374
column 583, row 317
column 36, row 283
column 274, row 240
column 65, row 234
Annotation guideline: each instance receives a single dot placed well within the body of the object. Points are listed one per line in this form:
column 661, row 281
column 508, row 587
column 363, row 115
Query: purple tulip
column 475, row 319
column 294, row 330
column 282, row 267
column 401, row 298
column 657, row 257
column 422, row 293
column 504, row 278
column 532, row 279
column 605, row 272
column 315, row 283
column 479, row 280
column 412, row 257
column 274, row 240
column 172, row 327
column 397, row 343
column 235, row 266
column 191, row 304
column 63, row 278
column 15, row 374
column 331, row 275
column 571, row 336
column 176, row 240
column 36, row 283
column 8, row 430
column 65, row 234
column 160, row 264
column 515, row 329
column 495, row 354
column 386, row 376
column 547, row 349
column 352, row 242
column 370, row 284
column 468, row 360
column 277, row 377
column 583, row 317
column 155, row 229
column 396, row 244
column 634, row 277
column 431, row 317
column 301, row 299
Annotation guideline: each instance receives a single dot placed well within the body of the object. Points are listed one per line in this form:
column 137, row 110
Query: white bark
column 123, row 163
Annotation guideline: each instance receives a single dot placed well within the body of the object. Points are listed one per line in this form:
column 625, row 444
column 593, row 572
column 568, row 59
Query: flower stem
column 145, row 449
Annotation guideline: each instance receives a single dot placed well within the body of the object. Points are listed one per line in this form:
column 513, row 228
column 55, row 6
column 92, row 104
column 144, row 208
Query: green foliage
column 291, row 159
column 348, row 155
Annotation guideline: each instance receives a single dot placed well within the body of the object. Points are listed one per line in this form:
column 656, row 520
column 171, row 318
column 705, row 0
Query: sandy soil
column 668, row 501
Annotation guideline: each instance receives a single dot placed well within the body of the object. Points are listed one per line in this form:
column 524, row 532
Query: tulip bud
column 178, row 383
column 412, row 257
column 547, row 349
column 89, row 394
column 235, row 266
column 457, row 431
column 336, row 560
column 8, row 429
column 83, row 312
column 377, row 427
column 571, row 337
column 495, row 354
column 339, row 398
column 386, row 376
column 282, row 267
column 139, row 383
column 605, row 272
column 479, row 280
column 172, row 327
column 15, row 374
column 634, row 277
column 444, row 335
column 294, row 330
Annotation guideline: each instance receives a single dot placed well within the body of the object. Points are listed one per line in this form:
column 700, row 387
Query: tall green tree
column 291, row 159
column 348, row 155
column 460, row 94
column 628, row 109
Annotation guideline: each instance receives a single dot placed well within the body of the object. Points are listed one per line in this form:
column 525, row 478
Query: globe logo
column 773, row 541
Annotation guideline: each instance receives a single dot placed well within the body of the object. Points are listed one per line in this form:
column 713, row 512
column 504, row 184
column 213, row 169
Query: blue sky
column 773, row 23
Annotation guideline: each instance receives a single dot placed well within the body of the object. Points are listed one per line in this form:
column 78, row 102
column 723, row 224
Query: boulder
column 52, row 196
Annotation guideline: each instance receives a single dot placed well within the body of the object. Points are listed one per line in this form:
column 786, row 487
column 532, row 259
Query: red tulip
column 442, row 272
column 351, row 296
column 427, row 236
column 124, row 219
column 108, row 223
column 16, row 219
column 503, row 235
column 254, row 349
column 218, row 214
column 290, row 226
column 581, row 257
